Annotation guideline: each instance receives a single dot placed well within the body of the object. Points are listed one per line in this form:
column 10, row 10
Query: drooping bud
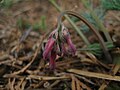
column 52, row 58
column 48, row 47
column 66, row 35
column 59, row 43
column 64, row 50
column 72, row 48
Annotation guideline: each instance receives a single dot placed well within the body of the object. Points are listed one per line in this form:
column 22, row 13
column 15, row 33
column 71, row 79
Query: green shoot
column 6, row 4
column 41, row 24
column 22, row 24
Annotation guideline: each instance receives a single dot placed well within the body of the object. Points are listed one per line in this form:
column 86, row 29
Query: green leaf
column 96, row 48
column 111, row 4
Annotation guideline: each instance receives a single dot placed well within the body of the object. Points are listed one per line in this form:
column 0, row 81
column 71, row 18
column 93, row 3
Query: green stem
column 97, row 20
column 72, row 23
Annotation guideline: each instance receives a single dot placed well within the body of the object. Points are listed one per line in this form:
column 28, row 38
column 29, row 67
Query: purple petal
column 52, row 60
column 72, row 48
column 66, row 36
column 48, row 47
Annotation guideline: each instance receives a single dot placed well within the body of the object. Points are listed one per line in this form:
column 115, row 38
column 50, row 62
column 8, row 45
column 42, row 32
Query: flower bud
column 72, row 48
column 48, row 47
column 52, row 59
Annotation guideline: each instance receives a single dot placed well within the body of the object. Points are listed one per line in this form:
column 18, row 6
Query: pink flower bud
column 66, row 35
column 59, row 43
column 48, row 47
column 72, row 48
column 52, row 59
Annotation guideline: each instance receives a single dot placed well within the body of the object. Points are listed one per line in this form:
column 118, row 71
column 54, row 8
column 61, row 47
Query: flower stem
column 72, row 23
column 100, row 39
column 105, row 49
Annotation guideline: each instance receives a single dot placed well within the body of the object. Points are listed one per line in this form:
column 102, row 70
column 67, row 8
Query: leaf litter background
column 24, row 27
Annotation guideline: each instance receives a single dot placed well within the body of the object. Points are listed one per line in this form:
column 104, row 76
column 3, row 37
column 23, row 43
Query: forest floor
column 24, row 25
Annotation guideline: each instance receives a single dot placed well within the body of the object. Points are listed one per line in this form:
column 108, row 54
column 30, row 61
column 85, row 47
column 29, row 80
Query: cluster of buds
column 59, row 43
